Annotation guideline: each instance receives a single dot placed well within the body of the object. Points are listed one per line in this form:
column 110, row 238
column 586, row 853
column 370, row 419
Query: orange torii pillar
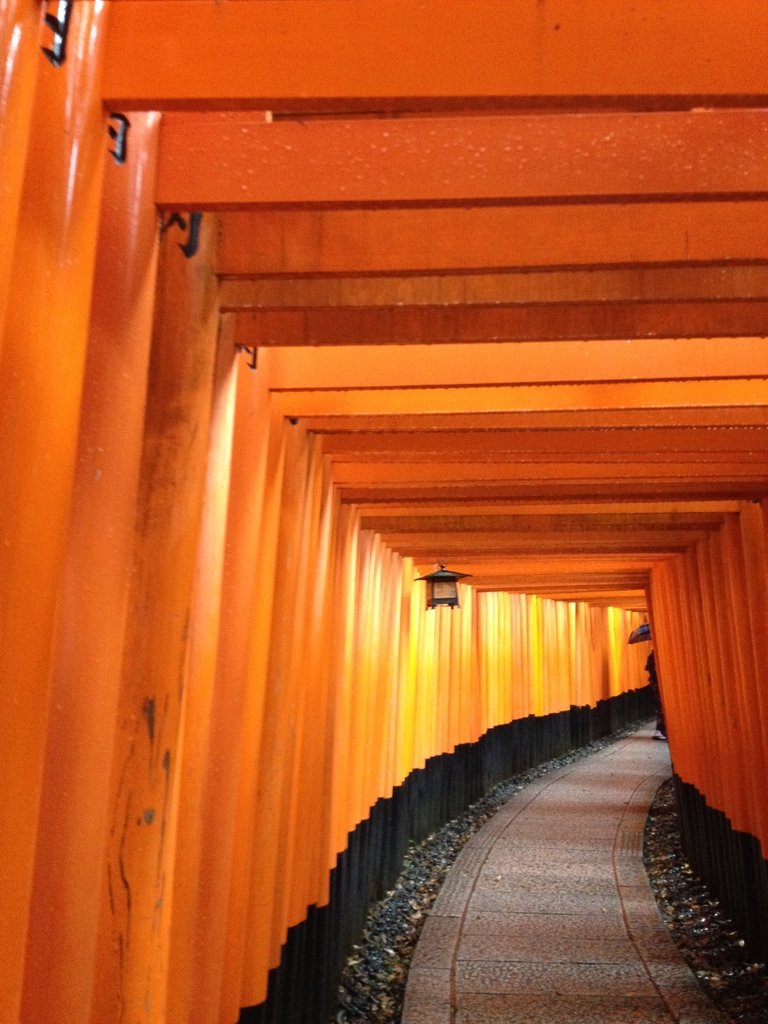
column 198, row 906
column 19, row 46
column 93, row 603
column 234, row 714
column 144, row 828
column 41, row 376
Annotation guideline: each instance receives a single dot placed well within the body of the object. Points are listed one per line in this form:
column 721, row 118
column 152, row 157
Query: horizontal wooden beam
column 463, row 324
column 382, row 474
column 554, row 524
column 375, row 54
column 605, row 571
column 645, row 460
column 651, row 398
column 486, row 364
column 460, row 160
column 621, row 591
column 604, row 562
column 399, row 241
column 538, row 419
column 631, row 600
column 613, row 284
column 489, row 445
column 455, row 545
column 634, row 511
column 556, row 490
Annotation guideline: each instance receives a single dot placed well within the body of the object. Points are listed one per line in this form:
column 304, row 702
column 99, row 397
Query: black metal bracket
column 251, row 351
column 59, row 25
column 192, row 244
column 119, row 133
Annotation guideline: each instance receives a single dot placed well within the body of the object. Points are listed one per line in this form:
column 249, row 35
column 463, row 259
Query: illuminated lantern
column 442, row 588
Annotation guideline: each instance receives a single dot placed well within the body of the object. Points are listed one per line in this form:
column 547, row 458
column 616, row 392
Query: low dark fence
column 729, row 862
column 303, row 989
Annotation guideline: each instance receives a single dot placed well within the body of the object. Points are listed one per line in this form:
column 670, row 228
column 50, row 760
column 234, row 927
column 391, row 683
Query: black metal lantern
column 441, row 587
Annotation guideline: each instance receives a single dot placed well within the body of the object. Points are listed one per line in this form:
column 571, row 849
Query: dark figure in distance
column 653, row 679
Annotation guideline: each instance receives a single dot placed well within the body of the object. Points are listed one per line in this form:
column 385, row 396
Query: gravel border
column 708, row 941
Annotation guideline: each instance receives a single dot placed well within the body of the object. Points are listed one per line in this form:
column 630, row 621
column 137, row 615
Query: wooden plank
column 685, row 397
column 612, row 284
column 476, row 324
column 465, row 160
column 375, row 55
column 486, row 445
column 382, row 474
column 484, row 364
column 554, row 524
column 401, row 241
column 536, row 419
column 556, row 490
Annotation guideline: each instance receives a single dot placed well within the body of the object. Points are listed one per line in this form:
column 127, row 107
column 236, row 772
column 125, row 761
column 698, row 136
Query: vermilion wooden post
column 19, row 47
column 256, row 517
column 227, row 807
column 753, row 522
column 730, row 714
column 41, row 377
column 134, row 949
column 92, row 607
column 700, row 710
column 343, row 696
column 283, row 726
column 751, row 753
column 196, row 918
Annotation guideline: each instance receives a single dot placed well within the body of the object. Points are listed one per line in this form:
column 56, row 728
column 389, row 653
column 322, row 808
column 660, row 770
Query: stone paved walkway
column 547, row 916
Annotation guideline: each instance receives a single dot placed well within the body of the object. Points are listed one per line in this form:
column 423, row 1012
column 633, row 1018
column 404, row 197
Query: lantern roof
column 443, row 574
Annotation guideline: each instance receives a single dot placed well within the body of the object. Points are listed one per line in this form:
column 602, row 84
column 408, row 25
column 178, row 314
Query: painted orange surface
column 41, row 377
column 590, row 398
column 19, row 35
column 196, row 935
column 607, row 284
column 456, row 325
column 217, row 658
column 89, row 643
column 720, row 582
column 461, row 159
column 629, row 359
column 482, row 238
column 145, row 842
column 370, row 54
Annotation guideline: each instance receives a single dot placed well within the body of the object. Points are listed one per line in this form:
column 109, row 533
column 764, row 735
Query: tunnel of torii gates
column 298, row 300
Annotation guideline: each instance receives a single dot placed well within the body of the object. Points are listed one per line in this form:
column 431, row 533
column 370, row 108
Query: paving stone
column 545, row 928
column 524, row 947
column 494, row 1009
column 436, row 948
column 630, row 873
column 558, row 979
column 427, row 997
column 556, row 885
column 503, row 860
column 515, row 901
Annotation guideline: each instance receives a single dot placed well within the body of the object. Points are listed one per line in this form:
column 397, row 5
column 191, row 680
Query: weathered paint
column 90, row 631
column 41, row 377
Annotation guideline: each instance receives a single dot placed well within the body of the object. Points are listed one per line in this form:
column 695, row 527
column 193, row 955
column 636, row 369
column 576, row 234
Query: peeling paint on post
column 142, row 850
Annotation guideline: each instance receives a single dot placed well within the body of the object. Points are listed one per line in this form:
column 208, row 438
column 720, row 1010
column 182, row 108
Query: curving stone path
column 547, row 916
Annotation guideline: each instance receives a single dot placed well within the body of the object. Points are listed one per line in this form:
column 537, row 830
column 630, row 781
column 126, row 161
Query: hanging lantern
column 441, row 587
